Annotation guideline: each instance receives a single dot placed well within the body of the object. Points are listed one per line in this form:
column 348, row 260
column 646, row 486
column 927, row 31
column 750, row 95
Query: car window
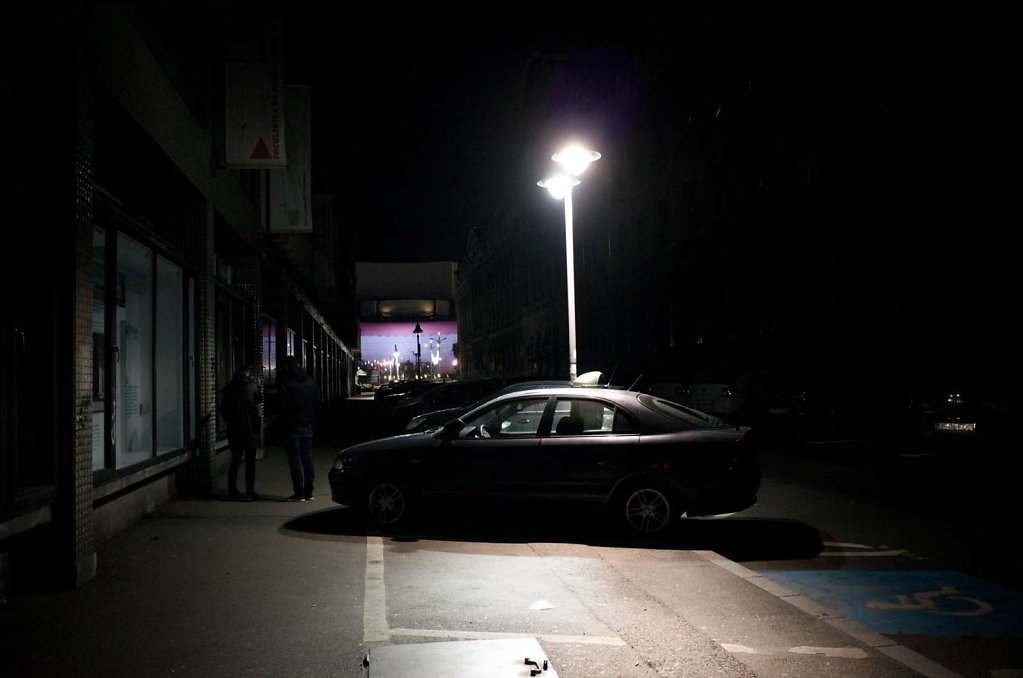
column 583, row 416
column 507, row 419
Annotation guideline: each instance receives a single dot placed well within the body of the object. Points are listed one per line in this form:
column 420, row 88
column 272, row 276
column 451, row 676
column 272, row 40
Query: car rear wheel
column 387, row 504
column 648, row 509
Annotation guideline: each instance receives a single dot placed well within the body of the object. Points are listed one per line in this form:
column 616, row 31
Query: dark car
column 649, row 461
column 392, row 392
column 435, row 418
column 441, row 396
column 953, row 412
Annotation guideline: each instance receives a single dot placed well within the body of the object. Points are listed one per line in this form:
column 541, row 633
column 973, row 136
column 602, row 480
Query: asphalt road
column 208, row 587
column 914, row 545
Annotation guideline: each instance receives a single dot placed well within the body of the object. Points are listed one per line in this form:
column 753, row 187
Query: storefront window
column 233, row 343
column 99, row 325
column 190, row 320
column 133, row 367
column 269, row 352
column 141, row 386
column 170, row 363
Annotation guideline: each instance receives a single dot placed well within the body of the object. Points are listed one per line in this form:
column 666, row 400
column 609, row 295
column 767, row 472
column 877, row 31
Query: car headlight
column 342, row 462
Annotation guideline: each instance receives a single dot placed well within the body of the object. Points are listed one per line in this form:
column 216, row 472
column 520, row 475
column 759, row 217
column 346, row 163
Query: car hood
column 405, row 442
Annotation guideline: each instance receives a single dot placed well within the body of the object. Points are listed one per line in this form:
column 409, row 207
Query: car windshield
column 687, row 415
column 507, row 418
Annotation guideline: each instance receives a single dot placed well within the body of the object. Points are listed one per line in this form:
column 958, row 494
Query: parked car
column 960, row 412
column 387, row 395
column 729, row 393
column 647, row 460
column 441, row 396
column 429, row 420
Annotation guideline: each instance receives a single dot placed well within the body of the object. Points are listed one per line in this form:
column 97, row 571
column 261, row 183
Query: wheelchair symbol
column 948, row 601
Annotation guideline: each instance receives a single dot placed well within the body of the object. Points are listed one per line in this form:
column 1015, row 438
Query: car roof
column 618, row 395
column 656, row 417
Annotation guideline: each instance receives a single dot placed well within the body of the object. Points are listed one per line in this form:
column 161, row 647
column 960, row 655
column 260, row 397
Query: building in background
column 396, row 300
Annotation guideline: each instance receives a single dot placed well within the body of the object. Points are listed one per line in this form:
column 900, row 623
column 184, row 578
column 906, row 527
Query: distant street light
column 575, row 159
column 419, row 350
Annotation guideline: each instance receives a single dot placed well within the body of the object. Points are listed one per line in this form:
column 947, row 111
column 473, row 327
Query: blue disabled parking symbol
column 932, row 603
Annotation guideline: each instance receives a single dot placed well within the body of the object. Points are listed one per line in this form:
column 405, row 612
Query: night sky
column 413, row 127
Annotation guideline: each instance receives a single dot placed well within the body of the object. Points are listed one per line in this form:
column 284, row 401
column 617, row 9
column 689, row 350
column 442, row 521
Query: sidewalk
column 207, row 587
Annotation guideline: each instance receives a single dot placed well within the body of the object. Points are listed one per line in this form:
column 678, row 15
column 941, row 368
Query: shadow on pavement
column 738, row 539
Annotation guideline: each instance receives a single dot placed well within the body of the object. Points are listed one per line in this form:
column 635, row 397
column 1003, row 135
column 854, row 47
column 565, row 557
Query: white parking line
column 862, row 554
column 374, row 613
column 845, row 652
column 496, row 635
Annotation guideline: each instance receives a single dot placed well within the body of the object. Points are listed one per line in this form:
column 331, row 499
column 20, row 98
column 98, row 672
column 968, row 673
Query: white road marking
column 742, row 649
column 374, row 611
column 862, row 554
column 903, row 655
column 493, row 635
column 846, row 545
column 844, row 652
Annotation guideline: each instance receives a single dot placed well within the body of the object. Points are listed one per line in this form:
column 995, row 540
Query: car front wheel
column 648, row 509
column 387, row 504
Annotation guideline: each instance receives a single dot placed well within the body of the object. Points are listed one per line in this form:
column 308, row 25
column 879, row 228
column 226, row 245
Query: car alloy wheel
column 648, row 510
column 386, row 504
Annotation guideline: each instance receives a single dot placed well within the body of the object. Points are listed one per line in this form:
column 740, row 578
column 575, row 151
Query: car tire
column 647, row 508
column 387, row 504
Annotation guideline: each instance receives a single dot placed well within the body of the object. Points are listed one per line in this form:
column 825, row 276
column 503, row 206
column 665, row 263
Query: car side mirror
column 451, row 429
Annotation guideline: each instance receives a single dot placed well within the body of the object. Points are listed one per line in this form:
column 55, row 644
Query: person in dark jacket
column 239, row 406
column 299, row 397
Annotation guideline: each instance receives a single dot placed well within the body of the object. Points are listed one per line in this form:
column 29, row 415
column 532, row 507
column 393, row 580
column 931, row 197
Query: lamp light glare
column 558, row 186
column 575, row 158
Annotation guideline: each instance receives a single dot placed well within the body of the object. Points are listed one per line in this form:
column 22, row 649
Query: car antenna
column 615, row 369
column 636, row 382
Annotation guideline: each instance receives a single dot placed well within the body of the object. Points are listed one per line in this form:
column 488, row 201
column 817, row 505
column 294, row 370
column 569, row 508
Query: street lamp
column 419, row 350
column 575, row 159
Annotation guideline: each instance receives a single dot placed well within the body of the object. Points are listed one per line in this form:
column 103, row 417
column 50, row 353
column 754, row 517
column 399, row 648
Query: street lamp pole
column 419, row 350
column 570, row 268
column 575, row 159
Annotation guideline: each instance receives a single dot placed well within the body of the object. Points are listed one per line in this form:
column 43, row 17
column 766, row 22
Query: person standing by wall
column 299, row 397
column 239, row 406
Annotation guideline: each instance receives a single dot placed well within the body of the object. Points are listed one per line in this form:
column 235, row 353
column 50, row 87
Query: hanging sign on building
column 254, row 119
column 291, row 188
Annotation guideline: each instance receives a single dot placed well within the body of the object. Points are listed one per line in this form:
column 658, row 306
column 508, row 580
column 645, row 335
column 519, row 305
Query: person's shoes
column 295, row 497
column 248, row 496
column 310, row 497
column 235, row 495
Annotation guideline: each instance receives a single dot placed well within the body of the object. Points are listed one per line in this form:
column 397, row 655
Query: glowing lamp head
column 558, row 186
column 575, row 159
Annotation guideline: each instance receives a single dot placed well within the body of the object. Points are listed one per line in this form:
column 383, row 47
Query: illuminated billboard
column 381, row 341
